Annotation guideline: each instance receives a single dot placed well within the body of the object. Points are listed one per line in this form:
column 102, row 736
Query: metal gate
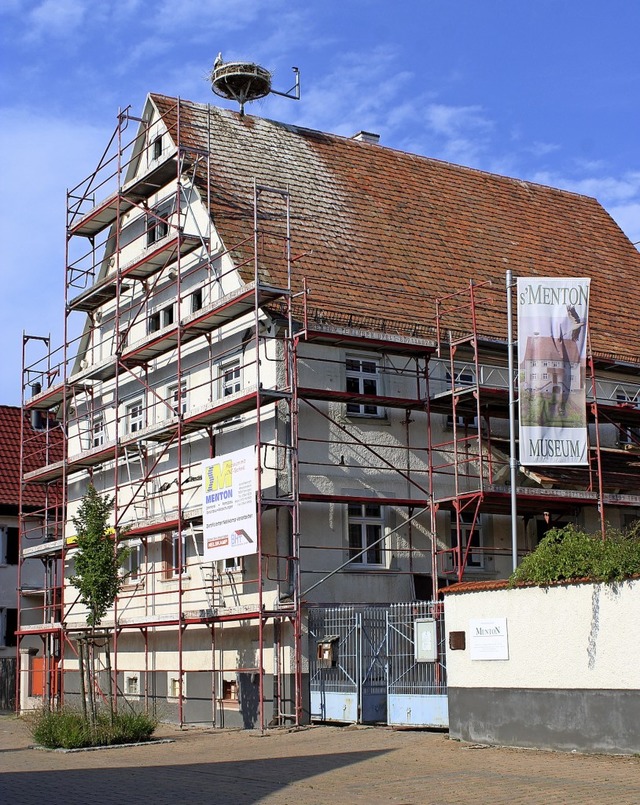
column 7, row 683
column 347, row 664
column 417, row 689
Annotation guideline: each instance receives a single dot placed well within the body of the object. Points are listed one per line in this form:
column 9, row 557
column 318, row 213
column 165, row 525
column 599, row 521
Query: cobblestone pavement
column 314, row 766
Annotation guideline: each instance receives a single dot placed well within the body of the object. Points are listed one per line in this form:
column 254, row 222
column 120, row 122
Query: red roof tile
column 384, row 233
column 35, row 442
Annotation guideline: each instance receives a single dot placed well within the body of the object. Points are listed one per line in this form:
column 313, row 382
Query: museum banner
column 229, row 507
column 552, row 359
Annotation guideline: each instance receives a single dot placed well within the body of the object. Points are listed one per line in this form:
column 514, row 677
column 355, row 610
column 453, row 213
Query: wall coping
column 503, row 584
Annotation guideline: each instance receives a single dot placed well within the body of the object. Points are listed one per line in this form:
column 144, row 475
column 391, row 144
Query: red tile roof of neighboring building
column 40, row 448
column 383, row 233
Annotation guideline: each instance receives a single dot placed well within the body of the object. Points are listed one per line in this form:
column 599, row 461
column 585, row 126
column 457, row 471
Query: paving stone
column 316, row 766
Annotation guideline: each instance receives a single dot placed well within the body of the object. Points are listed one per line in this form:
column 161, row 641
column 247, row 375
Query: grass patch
column 68, row 729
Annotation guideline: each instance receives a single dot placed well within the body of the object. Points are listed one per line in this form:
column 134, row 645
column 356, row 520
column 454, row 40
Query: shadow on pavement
column 216, row 783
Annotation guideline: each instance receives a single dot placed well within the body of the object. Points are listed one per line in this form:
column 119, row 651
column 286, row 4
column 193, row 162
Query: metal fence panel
column 335, row 687
column 417, row 691
column 373, row 704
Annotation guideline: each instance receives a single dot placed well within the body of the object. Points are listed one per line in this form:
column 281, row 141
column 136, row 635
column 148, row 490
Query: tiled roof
column 383, row 233
column 35, row 443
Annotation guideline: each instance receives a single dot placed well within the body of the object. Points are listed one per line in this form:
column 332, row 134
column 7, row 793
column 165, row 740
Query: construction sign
column 229, row 505
column 552, row 358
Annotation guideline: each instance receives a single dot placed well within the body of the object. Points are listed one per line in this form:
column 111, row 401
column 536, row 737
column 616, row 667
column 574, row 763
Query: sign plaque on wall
column 488, row 639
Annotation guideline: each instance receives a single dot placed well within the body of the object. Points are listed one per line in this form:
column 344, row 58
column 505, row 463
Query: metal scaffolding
column 65, row 389
column 106, row 419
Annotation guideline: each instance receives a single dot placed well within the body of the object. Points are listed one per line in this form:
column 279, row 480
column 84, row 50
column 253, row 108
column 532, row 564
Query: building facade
column 335, row 309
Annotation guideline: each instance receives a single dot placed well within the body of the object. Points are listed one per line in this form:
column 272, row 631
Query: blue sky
column 545, row 90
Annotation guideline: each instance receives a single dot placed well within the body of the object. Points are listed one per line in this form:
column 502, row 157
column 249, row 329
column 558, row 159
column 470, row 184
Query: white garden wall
column 571, row 679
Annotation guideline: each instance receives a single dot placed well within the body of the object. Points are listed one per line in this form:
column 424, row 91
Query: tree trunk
column 90, row 682
column 83, row 687
column 107, row 654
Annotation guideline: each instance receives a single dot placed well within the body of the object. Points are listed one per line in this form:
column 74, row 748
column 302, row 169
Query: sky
column 545, row 91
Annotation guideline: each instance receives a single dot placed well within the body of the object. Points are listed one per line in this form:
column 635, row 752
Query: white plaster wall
column 570, row 636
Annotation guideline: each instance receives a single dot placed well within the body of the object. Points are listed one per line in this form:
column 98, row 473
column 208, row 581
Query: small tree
column 99, row 558
column 97, row 577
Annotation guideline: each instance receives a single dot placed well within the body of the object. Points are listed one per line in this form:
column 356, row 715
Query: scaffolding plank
column 44, row 548
column 149, row 262
column 46, row 399
column 378, row 400
column 50, row 472
column 106, row 212
column 224, row 310
column 230, row 307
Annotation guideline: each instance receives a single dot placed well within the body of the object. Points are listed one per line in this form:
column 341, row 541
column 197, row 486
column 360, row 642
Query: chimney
column 366, row 137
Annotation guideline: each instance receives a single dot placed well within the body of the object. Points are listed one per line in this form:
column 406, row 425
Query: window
column 160, row 318
column 173, row 548
column 167, row 316
column 97, row 430
column 156, row 148
column 230, row 378
column 366, row 524
column 173, row 685
column 9, row 544
column 158, row 221
column 134, row 416
column 475, row 558
column 153, row 322
column 177, row 397
column 196, row 300
column 132, row 685
column 132, row 566
column 232, row 564
column 363, row 378
column 229, row 690
column 8, row 626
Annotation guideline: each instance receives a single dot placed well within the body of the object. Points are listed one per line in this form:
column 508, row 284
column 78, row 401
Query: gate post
column 24, row 678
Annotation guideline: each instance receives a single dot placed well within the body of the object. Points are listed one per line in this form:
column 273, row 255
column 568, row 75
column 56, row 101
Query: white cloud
column 619, row 195
column 202, row 17
column 56, row 18
column 627, row 216
column 538, row 149
column 608, row 189
column 450, row 121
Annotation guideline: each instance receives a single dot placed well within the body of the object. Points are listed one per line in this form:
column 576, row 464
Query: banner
column 229, row 513
column 552, row 358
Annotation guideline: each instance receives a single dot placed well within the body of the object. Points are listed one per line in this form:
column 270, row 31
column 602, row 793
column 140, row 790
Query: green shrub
column 62, row 728
column 68, row 729
column 568, row 553
column 131, row 727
